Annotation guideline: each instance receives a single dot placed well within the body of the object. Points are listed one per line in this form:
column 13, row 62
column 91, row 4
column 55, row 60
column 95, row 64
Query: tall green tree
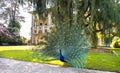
column 95, row 16
column 10, row 11
column 14, row 24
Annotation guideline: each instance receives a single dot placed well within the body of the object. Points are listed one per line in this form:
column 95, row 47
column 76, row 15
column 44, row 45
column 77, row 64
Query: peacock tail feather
column 72, row 43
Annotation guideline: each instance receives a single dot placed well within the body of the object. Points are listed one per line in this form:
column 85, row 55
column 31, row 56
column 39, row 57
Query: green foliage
column 98, row 15
column 107, row 39
column 4, row 39
column 5, row 35
column 104, row 15
column 94, row 40
column 20, row 41
column 14, row 23
column 115, row 42
column 10, row 10
column 16, row 41
column 13, row 29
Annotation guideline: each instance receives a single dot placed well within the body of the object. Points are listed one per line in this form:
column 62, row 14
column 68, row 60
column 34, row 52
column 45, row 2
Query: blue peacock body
column 61, row 57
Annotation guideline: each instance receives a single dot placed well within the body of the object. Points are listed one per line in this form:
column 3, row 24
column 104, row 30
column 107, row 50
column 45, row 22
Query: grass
column 25, row 53
column 95, row 60
column 3, row 48
column 103, row 61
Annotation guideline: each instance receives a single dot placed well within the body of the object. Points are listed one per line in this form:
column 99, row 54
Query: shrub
column 115, row 42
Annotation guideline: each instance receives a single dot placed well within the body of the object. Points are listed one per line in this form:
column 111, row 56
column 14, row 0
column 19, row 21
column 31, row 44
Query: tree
column 10, row 14
column 14, row 26
column 5, row 35
column 10, row 11
column 96, row 16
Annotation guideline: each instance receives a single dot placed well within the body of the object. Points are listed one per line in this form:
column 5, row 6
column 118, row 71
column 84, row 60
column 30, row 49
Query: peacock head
column 61, row 51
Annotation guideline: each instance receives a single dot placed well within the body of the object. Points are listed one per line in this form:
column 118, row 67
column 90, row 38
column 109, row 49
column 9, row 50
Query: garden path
column 15, row 66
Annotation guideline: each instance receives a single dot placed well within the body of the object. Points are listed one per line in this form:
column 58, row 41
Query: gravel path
column 15, row 66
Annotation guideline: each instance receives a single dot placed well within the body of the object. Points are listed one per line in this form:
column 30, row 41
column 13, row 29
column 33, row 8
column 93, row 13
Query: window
column 45, row 30
column 34, row 31
column 40, row 24
column 46, row 24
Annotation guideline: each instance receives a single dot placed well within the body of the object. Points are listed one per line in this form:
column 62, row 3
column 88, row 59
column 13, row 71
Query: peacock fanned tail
column 72, row 43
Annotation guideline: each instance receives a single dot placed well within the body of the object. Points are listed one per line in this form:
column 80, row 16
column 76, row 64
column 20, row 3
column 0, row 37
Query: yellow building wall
column 37, row 37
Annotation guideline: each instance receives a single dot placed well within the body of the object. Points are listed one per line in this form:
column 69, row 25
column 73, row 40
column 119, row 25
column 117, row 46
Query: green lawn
column 3, row 48
column 25, row 53
column 103, row 61
column 95, row 60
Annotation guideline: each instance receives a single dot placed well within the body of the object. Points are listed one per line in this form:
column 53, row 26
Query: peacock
column 67, row 45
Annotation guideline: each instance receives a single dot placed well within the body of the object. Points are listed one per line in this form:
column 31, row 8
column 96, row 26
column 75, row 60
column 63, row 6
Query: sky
column 26, row 26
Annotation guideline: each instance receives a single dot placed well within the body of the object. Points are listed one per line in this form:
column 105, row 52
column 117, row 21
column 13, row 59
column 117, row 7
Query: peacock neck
column 61, row 56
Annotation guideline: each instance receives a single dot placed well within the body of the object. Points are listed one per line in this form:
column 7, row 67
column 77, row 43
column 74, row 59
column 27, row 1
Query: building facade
column 39, row 27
